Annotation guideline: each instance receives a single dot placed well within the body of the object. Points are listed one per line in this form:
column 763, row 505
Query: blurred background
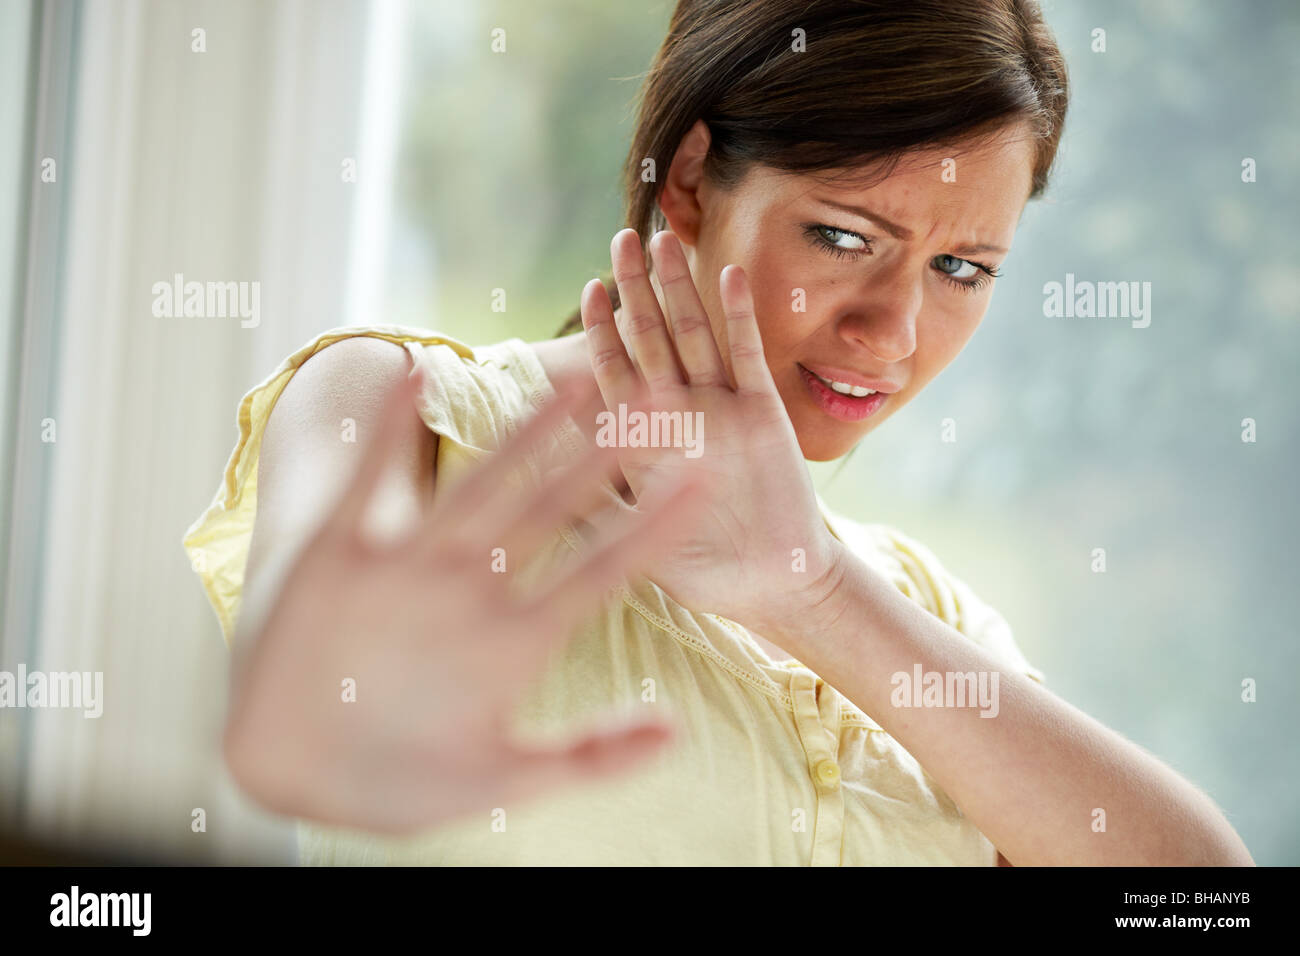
column 213, row 139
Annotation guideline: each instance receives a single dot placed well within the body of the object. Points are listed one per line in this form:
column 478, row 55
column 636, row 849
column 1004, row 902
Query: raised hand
column 437, row 646
column 760, row 547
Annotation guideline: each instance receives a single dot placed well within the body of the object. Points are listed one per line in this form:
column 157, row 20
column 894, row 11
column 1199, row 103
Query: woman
column 431, row 612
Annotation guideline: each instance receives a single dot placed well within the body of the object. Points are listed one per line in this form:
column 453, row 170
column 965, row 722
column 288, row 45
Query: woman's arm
column 304, row 462
column 1033, row 776
column 303, row 468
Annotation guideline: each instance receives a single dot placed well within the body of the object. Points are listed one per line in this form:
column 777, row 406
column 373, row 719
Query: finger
column 378, row 453
column 616, row 376
column 745, row 344
column 566, row 496
column 693, row 336
column 484, row 489
column 623, row 548
column 597, row 755
column 643, row 322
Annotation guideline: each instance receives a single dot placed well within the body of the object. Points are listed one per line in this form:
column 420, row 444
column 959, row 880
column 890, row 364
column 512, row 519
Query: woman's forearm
column 1046, row 783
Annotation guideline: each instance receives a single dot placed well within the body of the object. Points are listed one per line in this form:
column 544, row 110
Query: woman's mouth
column 838, row 400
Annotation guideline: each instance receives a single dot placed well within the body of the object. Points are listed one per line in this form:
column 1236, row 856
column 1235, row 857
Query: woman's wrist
column 810, row 601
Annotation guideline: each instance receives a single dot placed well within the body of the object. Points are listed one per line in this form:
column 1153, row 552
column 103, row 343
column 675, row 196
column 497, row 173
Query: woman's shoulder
column 332, row 375
column 470, row 393
column 468, row 398
column 361, row 352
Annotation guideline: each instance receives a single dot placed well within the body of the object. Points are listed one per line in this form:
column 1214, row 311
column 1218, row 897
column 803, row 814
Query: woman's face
column 888, row 295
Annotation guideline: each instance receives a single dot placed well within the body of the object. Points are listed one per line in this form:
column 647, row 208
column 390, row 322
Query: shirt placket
column 816, row 715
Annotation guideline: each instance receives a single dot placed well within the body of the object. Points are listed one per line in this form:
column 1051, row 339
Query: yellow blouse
column 772, row 766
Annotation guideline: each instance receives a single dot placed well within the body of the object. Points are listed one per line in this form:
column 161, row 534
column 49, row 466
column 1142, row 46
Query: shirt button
column 827, row 773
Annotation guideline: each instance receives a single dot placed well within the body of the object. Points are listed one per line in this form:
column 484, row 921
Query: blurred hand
column 439, row 645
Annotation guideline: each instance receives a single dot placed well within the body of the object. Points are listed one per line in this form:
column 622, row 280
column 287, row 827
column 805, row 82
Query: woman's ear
column 681, row 199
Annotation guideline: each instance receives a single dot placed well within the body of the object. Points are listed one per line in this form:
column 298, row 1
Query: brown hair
column 877, row 80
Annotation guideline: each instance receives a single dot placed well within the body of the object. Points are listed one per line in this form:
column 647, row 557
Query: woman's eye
column 961, row 273
column 838, row 242
column 954, row 272
column 952, row 266
column 836, row 236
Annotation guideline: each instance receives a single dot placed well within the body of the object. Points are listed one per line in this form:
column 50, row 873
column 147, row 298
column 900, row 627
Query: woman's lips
column 846, row 408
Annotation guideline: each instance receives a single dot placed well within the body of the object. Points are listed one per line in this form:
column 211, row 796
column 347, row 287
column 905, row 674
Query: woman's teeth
column 855, row 390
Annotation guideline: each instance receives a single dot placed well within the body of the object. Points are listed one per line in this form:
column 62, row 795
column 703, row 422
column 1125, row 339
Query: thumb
column 596, row 755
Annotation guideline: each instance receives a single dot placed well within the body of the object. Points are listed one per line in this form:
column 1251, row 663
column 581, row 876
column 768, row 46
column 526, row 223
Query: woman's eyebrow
column 899, row 232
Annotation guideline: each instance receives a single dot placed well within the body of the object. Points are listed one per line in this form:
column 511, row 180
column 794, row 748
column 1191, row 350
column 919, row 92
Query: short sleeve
column 217, row 542
column 917, row 572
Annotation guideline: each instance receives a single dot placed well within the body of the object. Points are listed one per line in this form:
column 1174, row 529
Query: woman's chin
column 824, row 447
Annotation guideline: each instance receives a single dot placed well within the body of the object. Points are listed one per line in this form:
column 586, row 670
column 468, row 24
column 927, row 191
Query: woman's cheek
column 940, row 339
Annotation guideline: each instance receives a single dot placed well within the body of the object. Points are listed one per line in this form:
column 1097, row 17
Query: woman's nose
column 884, row 319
